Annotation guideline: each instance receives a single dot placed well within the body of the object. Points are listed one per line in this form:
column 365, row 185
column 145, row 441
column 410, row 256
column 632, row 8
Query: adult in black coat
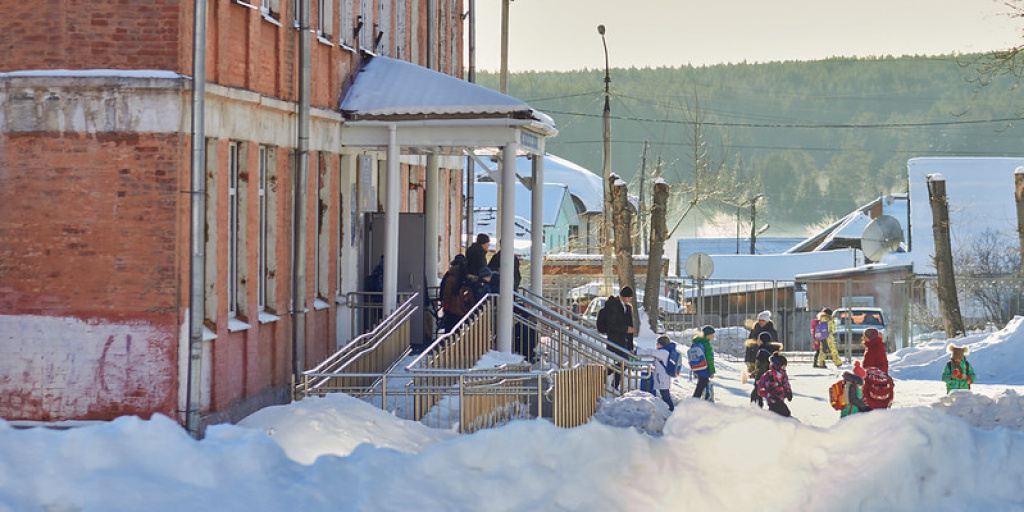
column 495, row 266
column 476, row 254
column 615, row 320
column 764, row 324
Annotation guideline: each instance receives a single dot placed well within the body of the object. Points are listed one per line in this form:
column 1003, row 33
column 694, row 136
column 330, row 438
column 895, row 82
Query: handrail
column 472, row 316
column 554, row 306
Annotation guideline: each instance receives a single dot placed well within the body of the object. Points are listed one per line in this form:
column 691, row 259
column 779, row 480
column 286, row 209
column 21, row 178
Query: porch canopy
column 399, row 106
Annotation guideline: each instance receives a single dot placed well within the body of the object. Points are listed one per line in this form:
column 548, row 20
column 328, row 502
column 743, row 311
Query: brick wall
column 96, row 34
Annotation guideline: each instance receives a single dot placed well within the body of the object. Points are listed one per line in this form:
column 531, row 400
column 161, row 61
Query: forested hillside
column 817, row 139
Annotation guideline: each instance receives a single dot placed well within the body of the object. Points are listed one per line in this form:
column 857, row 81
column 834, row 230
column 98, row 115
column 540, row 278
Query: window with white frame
column 384, row 28
column 325, row 13
column 366, row 34
column 345, row 33
column 233, row 229
column 267, row 224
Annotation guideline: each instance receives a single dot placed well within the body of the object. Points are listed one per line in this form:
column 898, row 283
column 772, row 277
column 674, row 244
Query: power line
column 803, row 125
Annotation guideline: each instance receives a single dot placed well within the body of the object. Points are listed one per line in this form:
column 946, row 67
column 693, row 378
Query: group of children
column 861, row 389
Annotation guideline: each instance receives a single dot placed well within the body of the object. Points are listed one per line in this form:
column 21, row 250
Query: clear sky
column 562, row 34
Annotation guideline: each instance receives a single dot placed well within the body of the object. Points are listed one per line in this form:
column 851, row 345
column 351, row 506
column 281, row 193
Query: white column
column 506, row 218
column 392, row 200
column 431, row 205
column 537, row 227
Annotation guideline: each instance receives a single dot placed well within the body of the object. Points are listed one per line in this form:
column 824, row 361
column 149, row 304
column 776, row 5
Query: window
column 233, row 230
column 266, row 222
column 346, row 34
column 322, row 250
column 325, row 11
column 366, row 35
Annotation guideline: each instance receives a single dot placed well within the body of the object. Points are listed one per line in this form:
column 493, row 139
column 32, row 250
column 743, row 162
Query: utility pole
column 503, row 82
column 753, row 223
column 643, row 206
column 606, row 225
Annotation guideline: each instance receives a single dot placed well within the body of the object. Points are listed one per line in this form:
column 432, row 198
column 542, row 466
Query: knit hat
column 859, row 370
column 871, row 333
column 707, row 330
column 484, row 272
column 663, row 340
column 826, row 311
column 764, row 315
column 957, row 352
column 626, row 292
column 853, row 377
column 764, row 337
column 778, row 360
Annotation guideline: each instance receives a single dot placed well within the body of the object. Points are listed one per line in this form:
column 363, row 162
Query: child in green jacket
column 959, row 374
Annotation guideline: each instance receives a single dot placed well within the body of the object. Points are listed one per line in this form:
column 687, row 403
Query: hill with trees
column 818, row 139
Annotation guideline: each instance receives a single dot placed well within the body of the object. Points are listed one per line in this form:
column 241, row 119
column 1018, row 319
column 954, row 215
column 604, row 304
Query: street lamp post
column 753, row 221
column 606, row 230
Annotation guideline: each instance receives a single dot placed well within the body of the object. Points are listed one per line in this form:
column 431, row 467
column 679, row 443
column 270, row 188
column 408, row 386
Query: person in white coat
column 662, row 380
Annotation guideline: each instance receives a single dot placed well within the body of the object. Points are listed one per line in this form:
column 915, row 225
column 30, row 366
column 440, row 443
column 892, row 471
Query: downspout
column 299, row 225
column 431, row 13
column 470, row 164
column 197, row 267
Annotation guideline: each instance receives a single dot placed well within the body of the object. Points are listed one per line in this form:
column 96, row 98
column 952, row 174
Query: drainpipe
column 431, row 12
column 299, row 226
column 197, row 283
column 472, row 42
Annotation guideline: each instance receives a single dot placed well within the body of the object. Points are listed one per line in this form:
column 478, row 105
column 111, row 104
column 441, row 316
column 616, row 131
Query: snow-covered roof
column 583, row 184
column 486, row 196
column 392, row 87
column 781, row 267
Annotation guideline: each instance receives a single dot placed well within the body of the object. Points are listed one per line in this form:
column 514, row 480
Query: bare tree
column 659, row 203
column 712, row 179
column 952, row 320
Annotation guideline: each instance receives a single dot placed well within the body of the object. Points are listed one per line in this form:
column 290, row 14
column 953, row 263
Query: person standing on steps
column 615, row 320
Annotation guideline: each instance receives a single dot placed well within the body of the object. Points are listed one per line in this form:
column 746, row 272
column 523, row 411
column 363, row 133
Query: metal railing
column 373, row 352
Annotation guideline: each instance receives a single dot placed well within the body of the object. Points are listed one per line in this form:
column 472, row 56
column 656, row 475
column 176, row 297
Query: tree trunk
column 622, row 220
column 659, row 227
column 1018, row 179
column 952, row 322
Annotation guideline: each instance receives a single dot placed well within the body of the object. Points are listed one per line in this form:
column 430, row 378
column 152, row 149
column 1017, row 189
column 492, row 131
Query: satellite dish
column 881, row 236
column 699, row 266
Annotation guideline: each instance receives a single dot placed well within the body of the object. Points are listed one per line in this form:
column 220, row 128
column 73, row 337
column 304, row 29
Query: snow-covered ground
column 963, row 452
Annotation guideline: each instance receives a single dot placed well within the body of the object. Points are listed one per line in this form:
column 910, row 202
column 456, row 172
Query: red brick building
column 95, row 170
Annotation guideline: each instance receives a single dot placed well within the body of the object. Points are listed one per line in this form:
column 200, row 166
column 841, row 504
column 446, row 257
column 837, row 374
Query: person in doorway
column 704, row 376
column 662, row 380
column 764, row 324
column 476, row 254
column 454, row 292
column 615, row 320
column 823, row 331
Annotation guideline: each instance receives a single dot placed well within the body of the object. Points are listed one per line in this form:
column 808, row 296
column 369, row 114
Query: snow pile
column 1005, row 410
column 322, row 427
column 995, row 356
column 638, row 409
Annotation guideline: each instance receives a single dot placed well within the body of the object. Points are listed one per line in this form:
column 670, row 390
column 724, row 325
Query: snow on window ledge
column 320, row 304
column 208, row 335
column 266, row 317
column 235, row 325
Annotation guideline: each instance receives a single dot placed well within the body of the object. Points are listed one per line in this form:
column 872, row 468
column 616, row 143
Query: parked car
column 855, row 321
column 665, row 304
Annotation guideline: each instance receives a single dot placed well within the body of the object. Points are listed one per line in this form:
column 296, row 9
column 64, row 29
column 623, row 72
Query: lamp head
column 600, row 29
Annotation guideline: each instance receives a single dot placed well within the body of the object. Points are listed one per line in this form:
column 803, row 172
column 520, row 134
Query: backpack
column 770, row 387
column 466, row 297
column 674, row 365
column 820, row 329
column 878, row 389
column 695, row 354
column 837, row 397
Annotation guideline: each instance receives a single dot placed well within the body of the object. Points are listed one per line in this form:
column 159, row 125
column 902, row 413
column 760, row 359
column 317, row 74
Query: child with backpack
column 823, row 331
column 846, row 396
column 664, row 367
column 958, row 373
column 702, row 362
column 762, row 362
column 774, row 386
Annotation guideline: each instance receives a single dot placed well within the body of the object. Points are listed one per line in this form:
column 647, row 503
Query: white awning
column 433, row 109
